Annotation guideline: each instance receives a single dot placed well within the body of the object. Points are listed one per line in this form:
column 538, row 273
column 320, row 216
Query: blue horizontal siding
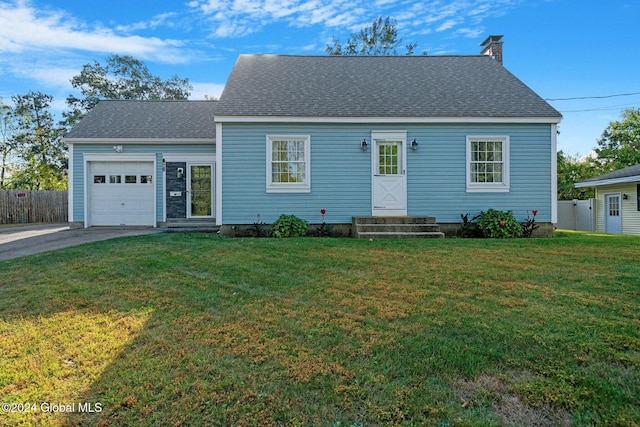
column 79, row 150
column 436, row 173
column 336, row 158
column 341, row 172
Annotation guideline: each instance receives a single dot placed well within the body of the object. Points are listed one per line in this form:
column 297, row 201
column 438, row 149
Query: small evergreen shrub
column 290, row 226
column 499, row 224
column 259, row 228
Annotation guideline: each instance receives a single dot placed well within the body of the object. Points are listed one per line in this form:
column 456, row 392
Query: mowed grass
column 192, row 329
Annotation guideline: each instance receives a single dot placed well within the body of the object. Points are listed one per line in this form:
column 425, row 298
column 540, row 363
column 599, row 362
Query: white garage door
column 121, row 193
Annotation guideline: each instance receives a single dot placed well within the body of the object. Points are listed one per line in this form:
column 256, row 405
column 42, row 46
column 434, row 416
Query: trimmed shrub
column 499, row 224
column 290, row 226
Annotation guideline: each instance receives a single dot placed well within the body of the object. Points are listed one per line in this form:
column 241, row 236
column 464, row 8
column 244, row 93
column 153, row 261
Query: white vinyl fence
column 576, row 215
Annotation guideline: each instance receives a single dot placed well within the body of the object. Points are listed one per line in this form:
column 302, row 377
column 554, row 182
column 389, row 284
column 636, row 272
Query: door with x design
column 389, row 192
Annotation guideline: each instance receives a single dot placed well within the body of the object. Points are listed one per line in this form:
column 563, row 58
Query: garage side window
column 288, row 164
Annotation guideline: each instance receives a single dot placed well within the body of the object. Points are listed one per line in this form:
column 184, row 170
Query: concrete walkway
column 26, row 240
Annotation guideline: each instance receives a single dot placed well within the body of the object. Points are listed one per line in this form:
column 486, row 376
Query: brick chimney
column 492, row 46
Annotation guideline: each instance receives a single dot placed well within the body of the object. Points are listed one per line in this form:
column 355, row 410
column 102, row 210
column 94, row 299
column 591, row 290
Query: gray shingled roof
column 631, row 172
column 377, row 86
column 129, row 119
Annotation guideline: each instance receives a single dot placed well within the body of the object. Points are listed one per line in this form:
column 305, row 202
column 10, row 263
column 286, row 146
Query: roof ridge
column 364, row 56
column 158, row 100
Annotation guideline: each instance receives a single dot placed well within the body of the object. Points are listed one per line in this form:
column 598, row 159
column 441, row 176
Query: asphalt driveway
column 26, row 240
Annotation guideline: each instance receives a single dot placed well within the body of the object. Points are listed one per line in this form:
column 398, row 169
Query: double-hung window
column 288, row 164
column 488, row 163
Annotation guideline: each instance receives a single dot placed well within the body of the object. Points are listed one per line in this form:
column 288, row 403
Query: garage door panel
column 118, row 195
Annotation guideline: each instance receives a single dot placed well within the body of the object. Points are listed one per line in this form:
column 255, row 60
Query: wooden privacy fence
column 26, row 206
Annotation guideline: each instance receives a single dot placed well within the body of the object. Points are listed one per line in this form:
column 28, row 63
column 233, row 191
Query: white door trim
column 607, row 211
column 213, row 176
column 398, row 181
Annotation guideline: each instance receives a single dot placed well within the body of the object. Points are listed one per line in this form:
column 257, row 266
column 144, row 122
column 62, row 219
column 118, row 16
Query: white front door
column 389, row 183
column 613, row 209
column 200, row 190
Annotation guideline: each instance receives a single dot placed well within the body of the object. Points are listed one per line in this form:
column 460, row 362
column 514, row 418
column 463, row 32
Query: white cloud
column 25, row 29
column 470, row 33
column 237, row 18
column 51, row 76
column 154, row 22
column 447, row 25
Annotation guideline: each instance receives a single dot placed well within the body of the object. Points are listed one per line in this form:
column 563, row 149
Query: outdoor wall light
column 118, row 148
column 414, row 144
column 363, row 145
column 625, row 196
column 179, row 173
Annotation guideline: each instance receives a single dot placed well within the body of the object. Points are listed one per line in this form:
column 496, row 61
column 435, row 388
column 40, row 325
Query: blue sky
column 559, row 48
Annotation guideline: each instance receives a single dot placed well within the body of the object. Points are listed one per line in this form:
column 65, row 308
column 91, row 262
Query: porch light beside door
column 363, row 144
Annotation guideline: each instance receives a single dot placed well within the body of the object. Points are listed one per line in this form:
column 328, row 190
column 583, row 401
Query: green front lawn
column 181, row 329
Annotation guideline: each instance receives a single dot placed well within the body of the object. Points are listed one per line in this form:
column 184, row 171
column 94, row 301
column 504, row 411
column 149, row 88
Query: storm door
column 389, row 181
column 200, row 190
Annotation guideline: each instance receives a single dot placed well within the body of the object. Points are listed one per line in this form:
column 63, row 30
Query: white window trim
column 490, row 187
column 287, row 187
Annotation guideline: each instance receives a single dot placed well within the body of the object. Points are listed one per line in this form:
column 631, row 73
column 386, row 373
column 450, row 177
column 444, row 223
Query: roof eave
column 320, row 119
column 140, row 140
column 612, row 181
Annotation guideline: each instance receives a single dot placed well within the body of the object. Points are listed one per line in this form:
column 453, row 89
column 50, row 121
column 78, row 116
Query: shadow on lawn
column 187, row 335
column 166, row 344
column 174, row 339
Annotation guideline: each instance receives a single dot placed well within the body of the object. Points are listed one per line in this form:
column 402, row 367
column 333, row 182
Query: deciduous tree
column 40, row 147
column 571, row 170
column 123, row 77
column 619, row 145
column 7, row 141
column 380, row 38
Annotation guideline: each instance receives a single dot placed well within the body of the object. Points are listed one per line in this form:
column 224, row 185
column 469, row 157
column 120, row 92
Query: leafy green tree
column 571, row 170
column 7, row 141
column 40, row 148
column 378, row 39
column 123, row 77
column 619, row 145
